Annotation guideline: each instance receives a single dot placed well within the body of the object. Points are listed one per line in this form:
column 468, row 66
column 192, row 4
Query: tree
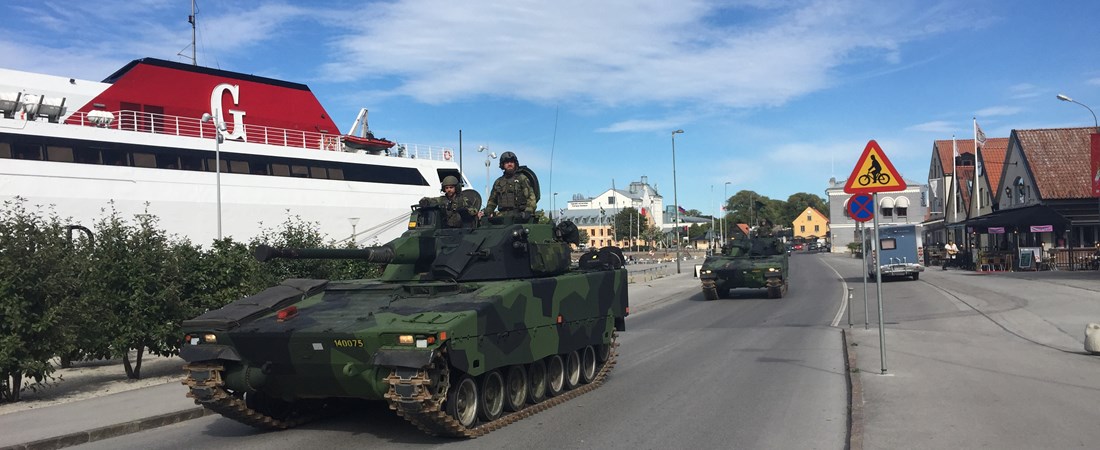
column 135, row 278
column 37, row 275
column 798, row 202
column 625, row 224
column 584, row 237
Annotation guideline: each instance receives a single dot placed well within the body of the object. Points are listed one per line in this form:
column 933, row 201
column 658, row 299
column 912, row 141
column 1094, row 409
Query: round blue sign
column 861, row 207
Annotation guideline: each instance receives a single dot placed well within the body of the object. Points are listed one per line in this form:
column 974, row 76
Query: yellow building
column 810, row 224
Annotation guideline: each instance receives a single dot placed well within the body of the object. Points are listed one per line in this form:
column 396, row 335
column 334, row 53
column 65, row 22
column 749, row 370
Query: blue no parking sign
column 861, row 207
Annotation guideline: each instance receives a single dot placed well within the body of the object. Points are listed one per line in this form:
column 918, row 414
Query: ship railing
column 154, row 123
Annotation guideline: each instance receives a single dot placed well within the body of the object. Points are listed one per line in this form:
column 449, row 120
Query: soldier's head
column 506, row 158
column 451, row 186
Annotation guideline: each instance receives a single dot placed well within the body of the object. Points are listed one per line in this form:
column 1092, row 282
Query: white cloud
column 622, row 53
column 935, row 126
column 999, row 111
column 1024, row 90
column 1093, row 82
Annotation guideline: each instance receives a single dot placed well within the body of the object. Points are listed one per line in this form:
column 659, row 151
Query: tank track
column 427, row 414
column 207, row 386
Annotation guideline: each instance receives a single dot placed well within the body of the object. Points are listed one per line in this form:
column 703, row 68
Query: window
column 86, row 155
column 145, row 160
column 887, row 212
column 238, row 166
column 809, row 217
column 888, row 244
column 299, row 171
column 901, row 211
column 112, row 157
column 317, row 172
column 802, row 228
column 27, row 151
column 817, row 228
column 63, row 154
column 5, row 150
column 611, row 200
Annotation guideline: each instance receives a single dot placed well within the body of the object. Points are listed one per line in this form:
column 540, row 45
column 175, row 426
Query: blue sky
column 773, row 96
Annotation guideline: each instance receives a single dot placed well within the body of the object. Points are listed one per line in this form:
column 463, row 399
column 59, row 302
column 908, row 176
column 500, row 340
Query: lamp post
column 553, row 207
column 676, row 199
column 488, row 162
column 1095, row 123
column 725, row 198
column 353, row 221
column 219, row 128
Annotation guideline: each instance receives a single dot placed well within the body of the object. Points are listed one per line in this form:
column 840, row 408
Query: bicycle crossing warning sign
column 874, row 173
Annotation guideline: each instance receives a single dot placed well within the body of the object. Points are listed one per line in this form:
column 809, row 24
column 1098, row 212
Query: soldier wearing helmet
column 512, row 194
column 456, row 208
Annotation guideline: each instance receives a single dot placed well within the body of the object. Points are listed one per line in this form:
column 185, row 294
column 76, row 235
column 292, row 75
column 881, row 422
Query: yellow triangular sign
column 874, row 173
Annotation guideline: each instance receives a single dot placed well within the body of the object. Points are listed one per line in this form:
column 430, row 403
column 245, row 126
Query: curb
column 855, row 395
column 110, row 431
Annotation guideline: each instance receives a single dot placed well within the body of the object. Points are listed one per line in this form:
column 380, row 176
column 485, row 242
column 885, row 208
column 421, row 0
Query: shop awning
column 1019, row 218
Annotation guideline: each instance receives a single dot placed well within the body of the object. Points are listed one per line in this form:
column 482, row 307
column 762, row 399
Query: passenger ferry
column 209, row 152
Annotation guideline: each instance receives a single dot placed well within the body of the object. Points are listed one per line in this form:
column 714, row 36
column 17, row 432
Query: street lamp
column 725, row 198
column 219, row 128
column 553, row 207
column 489, row 157
column 676, row 199
column 353, row 221
column 1063, row 98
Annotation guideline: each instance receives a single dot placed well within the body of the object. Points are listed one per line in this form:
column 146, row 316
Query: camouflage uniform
column 512, row 193
column 455, row 210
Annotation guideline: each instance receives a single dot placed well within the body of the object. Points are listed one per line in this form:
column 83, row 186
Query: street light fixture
column 675, row 199
column 353, row 221
column 219, row 128
column 1063, row 98
column 725, row 198
column 489, row 157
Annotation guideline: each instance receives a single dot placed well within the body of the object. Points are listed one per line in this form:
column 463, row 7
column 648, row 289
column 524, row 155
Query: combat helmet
column 508, row 156
column 451, row 180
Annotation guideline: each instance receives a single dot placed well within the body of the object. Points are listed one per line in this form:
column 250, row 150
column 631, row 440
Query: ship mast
column 191, row 20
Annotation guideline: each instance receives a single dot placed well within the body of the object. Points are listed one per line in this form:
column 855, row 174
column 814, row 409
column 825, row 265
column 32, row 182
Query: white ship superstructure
column 138, row 142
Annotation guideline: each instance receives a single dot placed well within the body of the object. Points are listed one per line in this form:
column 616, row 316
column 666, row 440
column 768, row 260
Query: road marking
column 843, row 295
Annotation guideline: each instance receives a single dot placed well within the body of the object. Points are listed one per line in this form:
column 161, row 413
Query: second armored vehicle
column 760, row 262
column 467, row 330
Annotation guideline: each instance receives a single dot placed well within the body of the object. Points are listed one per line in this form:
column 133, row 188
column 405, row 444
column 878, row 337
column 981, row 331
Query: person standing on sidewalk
column 951, row 250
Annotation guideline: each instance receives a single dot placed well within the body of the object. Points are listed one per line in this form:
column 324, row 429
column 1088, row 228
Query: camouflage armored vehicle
column 467, row 330
column 758, row 262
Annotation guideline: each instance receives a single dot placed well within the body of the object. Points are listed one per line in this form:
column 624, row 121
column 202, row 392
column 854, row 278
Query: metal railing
column 145, row 122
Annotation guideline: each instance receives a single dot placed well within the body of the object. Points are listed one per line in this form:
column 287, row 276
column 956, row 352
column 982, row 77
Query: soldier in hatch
column 456, row 208
column 512, row 194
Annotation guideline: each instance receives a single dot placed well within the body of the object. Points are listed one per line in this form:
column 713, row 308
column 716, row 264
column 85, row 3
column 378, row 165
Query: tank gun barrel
column 383, row 254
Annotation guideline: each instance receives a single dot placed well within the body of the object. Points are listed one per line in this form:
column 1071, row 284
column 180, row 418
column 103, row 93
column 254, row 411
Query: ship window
column 238, row 166
column 299, row 171
column 282, row 170
column 5, row 150
column 27, row 151
column 145, row 159
column 211, row 166
column 86, row 155
column 336, row 173
column 191, row 163
column 63, row 154
column 114, row 157
column 317, row 172
column 257, row 168
column 168, row 162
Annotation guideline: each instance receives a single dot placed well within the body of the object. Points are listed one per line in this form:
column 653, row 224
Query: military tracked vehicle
column 467, row 330
column 755, row 263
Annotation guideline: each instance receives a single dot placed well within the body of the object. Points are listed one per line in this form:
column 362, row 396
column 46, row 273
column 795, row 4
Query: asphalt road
column 744, row 372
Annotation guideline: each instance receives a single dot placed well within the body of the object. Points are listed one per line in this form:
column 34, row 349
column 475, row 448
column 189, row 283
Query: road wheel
column 555, row 375
column 536, row 381
column 710, row 293
column 491, row 401
column 572, row 370
column 588, row 365
column 515, row 388
column 462, row 402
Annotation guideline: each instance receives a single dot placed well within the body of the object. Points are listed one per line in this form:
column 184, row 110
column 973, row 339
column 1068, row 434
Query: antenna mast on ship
column 191, row 20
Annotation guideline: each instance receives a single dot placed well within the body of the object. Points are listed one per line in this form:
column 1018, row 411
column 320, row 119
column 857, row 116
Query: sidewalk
column 991, row 360
column 95, row 409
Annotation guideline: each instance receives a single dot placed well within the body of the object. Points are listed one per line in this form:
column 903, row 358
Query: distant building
column 594, row 214
column 901, row 207
column 811, row 224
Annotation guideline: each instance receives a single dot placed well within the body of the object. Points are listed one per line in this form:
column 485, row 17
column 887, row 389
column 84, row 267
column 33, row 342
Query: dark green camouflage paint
column 498, row 302
column 747, row 263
